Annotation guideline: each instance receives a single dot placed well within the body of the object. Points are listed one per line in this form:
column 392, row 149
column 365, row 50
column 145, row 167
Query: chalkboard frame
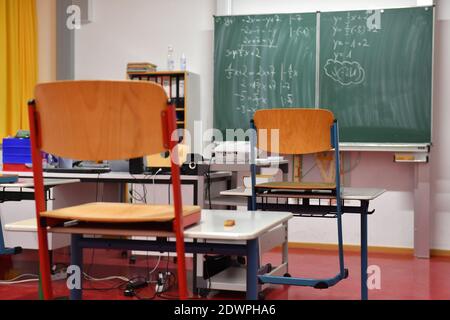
column 376, row 147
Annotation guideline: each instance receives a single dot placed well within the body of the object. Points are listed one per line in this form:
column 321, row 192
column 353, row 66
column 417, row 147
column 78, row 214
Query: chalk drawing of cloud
column 345, row 72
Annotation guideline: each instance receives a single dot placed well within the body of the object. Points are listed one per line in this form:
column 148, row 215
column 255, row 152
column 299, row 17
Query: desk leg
column 194, row 272
column 285, row 254
column 364, row 256
column 252, row 269
column 76, row 259
column 3, row 249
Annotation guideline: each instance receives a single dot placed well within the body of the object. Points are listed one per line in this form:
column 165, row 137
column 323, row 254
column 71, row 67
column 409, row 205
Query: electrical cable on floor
column 90, row 278
column 124, row 281
column 22, row 276
column 120, row 286
column 7, row 283
column 17, row 280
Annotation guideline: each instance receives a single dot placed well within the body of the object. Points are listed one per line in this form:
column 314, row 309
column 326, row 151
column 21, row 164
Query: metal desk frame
column 250, row 249
column 243, row 240
column 363, row 195
column 17, row 192
column 362, row 210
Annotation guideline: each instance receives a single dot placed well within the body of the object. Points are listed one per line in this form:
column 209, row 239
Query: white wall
column 287, row 6
column 140, row 30
column 440, row 173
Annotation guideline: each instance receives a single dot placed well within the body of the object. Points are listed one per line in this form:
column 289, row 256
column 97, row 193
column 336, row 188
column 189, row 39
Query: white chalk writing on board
column 258, row 82
column 226, row 21
column 349, row 34
column 345, row 72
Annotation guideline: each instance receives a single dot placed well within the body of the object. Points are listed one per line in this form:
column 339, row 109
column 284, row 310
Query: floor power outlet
column 59, row 275
column 163, row 283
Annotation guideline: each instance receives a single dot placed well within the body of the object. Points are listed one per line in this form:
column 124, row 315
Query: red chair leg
column 171, row 128
column 179, row 233
column 181, row 263
column 44, row 263
column 39, row 196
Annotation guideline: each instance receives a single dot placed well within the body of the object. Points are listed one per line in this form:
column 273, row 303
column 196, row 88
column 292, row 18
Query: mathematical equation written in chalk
column 350, row 33
column 256, row 66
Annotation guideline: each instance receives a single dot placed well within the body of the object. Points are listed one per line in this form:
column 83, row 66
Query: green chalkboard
column 374, row 70
column 262, row 62
column 376, row 73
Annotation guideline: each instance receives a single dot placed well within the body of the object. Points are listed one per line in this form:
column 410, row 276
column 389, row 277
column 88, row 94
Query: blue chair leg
column 343, row 273
column 76, row 259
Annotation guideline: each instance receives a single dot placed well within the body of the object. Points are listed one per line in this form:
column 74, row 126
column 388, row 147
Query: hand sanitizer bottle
column 183, row 62
column 170, row 60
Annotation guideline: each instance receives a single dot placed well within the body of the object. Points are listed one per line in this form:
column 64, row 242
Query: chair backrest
column 100, row 120
column 301, row 131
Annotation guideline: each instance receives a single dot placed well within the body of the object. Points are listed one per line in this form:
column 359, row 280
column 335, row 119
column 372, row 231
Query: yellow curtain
column 18, row 63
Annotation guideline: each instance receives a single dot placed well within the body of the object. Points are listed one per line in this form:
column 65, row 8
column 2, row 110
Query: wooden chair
column 300, row 131
column 104, row 120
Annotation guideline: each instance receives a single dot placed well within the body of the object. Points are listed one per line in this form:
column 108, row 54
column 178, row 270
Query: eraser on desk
column 229, row 223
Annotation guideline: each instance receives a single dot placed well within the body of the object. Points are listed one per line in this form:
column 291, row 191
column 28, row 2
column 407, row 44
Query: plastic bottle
column 44, row 160
column 183, row 62
column 170, row 60
column 52, row 161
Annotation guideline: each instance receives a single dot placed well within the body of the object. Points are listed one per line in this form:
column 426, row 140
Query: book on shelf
column 174, row 85
column 141, row 67
column 181, row 88
column 167, row 86
column 174, row 88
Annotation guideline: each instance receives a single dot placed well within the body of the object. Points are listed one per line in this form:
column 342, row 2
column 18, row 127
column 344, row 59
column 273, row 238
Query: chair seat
column 119, row 213
column 297, row 186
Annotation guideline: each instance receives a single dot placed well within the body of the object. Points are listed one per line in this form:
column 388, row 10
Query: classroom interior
column 389, row 202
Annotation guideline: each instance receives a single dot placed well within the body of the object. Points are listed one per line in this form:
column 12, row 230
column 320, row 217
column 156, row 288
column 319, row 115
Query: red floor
column 402, row 277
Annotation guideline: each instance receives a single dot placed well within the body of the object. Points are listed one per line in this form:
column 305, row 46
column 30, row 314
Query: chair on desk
column 300, row 131
column 105, row 120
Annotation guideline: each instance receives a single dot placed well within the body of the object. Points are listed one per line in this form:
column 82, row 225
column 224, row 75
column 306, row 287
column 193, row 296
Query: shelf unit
column 183, row 89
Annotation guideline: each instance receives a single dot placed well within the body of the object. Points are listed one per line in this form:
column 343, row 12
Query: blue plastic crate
column 16, row 151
